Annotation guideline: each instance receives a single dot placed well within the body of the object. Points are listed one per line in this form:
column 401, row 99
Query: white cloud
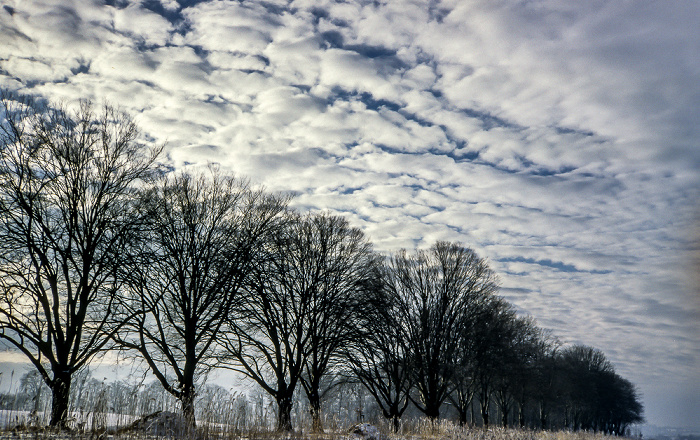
column 142, row 24
column 228, row 26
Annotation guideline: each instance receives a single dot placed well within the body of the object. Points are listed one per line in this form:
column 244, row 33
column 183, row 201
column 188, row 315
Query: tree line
column 102, row 249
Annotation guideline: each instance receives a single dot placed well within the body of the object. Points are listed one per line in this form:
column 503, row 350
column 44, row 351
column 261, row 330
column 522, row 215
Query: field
column 17, row 425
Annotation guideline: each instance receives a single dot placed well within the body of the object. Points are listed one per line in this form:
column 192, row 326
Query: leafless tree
column 490, row 349
column 530, row 347
column 342, row 271
column 299, row 309
column 516, row 351
column 186, row 271
column 594, row 396
column 436, row 291
column 380, row 358
column 66, row 185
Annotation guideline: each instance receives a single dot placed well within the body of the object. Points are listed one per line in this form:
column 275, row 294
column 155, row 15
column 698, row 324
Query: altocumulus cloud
column 559, row 139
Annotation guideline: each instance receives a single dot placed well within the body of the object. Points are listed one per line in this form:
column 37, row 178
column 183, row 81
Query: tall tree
column 597, row 398
column 493, row 332
column 620, row 406
column 547, row 381
column 341, row 272
column 299, row 308
column 66, row 184
column 380, row 356
column 581, row 366
column 186, row 271
column 513, row 372
column 530, row 347
column 435, row 292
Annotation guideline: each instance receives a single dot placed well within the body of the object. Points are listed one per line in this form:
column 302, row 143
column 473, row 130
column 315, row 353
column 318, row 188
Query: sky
column 559, row 139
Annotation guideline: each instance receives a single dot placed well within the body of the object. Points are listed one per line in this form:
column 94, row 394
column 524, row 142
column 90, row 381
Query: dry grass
column 441, row 434
column 104, row 411
column 447, row 430
column 419, row 429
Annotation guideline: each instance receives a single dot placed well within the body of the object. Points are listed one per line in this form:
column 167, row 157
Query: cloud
column 558, row 139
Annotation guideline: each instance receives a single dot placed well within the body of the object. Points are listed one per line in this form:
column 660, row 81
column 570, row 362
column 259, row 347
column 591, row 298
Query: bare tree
column 493, row 331
column 342, row 270
column 547, row 381
column 530, row 347
column 380, row 357
column 594, row 395
column 266, row 340
column 299, row 309
column 186, row 271
column 435, row 292
column 66, row 183
column 519, row 342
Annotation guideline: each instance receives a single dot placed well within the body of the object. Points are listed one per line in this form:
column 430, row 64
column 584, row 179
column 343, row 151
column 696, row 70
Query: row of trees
column 98, row 404
column 101, row 249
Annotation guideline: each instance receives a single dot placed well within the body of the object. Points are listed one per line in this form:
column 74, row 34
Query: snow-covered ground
column 84, row 420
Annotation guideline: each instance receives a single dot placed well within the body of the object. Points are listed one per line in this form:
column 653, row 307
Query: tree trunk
column 396, row 423
column 187, row 402
column 472, row 414
column 543, row 416
column 521, row 415
column 484, row 402
column 462, row 412
column 60, row 390
column 393, row 414
column 315, row 409
column 432, row 411
column 463, row 403
column 284, row 414
column 503, row 403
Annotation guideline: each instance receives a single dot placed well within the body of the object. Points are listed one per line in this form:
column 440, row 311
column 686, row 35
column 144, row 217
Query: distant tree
column 198, row 242
column 494, row 331
column 341, row 270
column 581, row 366
column 298, row 312
column 514, row 372
column 470, row 343
column 622, row 407
column 435, row 292
column 533, row 344
column 464, row 387
column 547, row 382
column 597, row 398
column 380, row 357
column 215, row 403
column 66, row 195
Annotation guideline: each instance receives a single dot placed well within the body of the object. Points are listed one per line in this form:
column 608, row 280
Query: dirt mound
column 160, row 423
column 365, row 431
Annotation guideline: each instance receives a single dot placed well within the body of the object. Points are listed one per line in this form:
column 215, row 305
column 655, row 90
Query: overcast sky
column 559, row 139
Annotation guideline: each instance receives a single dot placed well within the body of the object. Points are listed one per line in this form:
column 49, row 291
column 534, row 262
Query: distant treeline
column 103, row 249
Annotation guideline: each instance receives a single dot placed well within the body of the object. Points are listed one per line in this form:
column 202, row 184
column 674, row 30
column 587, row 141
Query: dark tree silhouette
column 341, row 270
column 196, row 247
column 595, row 397
column 297, row 314
column 435, row 292
column 380, row 356
column 546, row 382
column 493, row 331
column 66, row 183
column 620, row 406
column 532, row 345
column 514, row 370
column 581, row 365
